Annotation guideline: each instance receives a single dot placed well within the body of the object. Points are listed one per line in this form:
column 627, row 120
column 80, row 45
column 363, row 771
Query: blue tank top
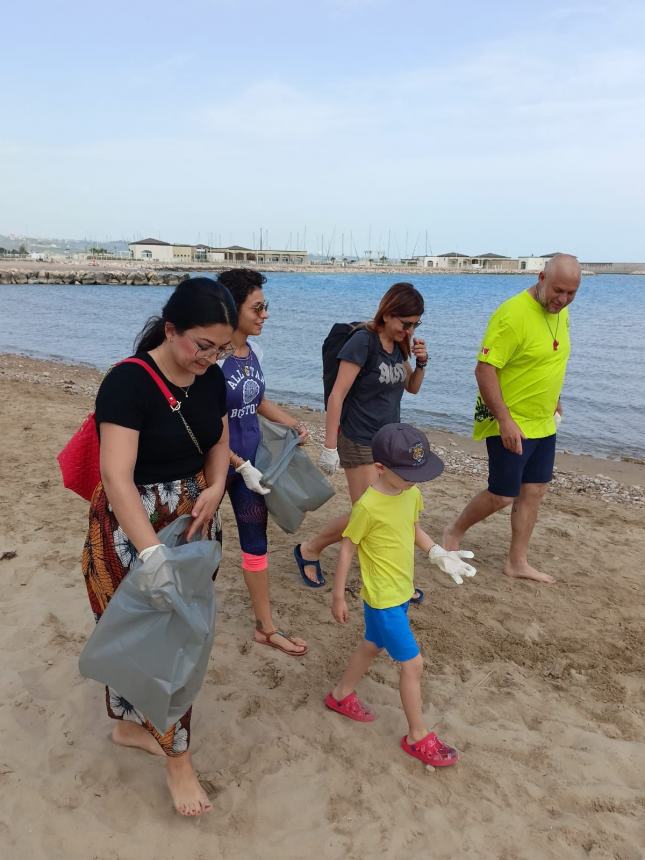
column 244, row 392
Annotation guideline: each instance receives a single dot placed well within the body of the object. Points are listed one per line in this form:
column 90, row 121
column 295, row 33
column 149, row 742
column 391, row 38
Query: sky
column 339, row 125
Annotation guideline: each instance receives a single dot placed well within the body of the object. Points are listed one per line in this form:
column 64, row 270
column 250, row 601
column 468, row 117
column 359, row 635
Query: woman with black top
column 157, row 464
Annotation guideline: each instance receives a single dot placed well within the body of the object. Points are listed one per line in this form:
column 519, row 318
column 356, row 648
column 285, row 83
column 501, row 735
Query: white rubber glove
column 329, row 460
column 145, row 554
column 558, row 419
column 451, row 562
column 252, row 477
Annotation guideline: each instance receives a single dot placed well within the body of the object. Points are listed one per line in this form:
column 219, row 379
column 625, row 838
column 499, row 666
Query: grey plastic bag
column 154, row 639
column 296, row 484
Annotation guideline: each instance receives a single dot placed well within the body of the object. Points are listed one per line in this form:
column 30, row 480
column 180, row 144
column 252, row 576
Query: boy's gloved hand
column 451, row 562
column 329, row 460
column 252, row 477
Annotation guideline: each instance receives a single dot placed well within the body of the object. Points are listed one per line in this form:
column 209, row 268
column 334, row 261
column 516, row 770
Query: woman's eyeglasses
column 409, row 326
column 260, row 308
column 216, row 353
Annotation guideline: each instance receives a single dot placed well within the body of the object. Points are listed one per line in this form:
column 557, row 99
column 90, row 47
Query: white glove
column 329, row 460
column 252, row 477
column 451, row 562
column 145, row 554
column 558, row 419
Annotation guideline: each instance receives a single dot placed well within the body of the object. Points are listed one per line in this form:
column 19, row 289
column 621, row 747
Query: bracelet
column 421, row 365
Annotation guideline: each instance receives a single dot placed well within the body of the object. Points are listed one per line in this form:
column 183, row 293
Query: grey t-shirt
column 375, row 398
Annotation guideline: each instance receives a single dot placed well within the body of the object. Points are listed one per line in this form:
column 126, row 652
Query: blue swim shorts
column 508, row 471
column 390, row 629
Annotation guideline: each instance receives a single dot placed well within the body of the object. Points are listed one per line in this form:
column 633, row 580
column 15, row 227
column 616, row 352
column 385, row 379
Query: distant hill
column 47, row 246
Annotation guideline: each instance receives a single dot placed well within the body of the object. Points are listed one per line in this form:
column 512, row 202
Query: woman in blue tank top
column 245, row 401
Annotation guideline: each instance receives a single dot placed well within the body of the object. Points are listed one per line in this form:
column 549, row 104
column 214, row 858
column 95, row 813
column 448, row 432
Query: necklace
column 556, row 342
column 554, row 336
column 185, row 389
column 246, row 370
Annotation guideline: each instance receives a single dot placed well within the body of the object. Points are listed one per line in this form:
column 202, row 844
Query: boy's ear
column 380, row 468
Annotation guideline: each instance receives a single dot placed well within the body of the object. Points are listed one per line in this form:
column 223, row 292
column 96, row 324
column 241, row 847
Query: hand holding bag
column 296, row 484
column 154, row 639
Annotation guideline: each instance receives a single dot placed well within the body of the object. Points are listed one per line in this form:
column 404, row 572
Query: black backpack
column 338, row 335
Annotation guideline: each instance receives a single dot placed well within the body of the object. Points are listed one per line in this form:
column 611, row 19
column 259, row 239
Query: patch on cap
column 418, row 454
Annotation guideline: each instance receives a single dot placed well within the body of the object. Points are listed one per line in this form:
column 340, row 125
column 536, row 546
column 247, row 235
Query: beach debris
column 8, row 555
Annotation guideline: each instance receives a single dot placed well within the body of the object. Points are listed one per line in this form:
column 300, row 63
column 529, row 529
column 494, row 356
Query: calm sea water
column 603, row 398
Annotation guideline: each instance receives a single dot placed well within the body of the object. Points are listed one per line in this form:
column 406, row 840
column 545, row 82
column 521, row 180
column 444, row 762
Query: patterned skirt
column 107, row 557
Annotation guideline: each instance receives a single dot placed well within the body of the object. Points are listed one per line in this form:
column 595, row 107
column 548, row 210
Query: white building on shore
column 157, row 251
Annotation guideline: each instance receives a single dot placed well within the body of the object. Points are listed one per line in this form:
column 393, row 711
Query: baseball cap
column 406, row 451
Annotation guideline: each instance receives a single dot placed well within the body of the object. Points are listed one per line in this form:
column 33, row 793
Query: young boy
column 384, row 526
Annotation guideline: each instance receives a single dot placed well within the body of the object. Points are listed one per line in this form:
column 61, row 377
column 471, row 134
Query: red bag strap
column 167, row 393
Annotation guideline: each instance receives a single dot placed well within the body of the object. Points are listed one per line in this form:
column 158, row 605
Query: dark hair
column 194, row 302
column 241, row 283
column 401, row 300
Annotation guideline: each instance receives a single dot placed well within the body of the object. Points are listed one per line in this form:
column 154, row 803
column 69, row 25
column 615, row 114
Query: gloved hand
column 252, row 477
column 145, row 553
column 451, row 562
column 329, row 460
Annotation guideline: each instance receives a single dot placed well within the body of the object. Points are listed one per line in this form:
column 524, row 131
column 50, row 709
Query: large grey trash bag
column 296, row 484
column 153, row 641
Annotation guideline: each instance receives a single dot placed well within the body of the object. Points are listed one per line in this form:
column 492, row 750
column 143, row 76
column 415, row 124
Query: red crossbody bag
column 79, row 460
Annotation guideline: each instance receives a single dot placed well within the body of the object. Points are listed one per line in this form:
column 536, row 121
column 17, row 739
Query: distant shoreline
column 136, row 273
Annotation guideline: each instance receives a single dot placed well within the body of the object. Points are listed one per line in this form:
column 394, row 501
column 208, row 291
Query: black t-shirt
column 375, row 397
column 129, row 397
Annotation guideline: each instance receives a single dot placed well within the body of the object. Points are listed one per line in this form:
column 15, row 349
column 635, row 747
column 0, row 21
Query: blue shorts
column 390, row 629
column 507, row 471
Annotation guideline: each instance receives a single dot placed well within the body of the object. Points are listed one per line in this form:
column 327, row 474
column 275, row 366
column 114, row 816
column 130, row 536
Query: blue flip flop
column 419, row 599
column 302, row 563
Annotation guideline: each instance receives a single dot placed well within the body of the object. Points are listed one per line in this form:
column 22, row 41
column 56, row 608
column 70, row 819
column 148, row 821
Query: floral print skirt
column 107, row 557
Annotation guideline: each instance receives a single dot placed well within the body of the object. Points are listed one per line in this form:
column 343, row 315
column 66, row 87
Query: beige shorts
column 352, row 454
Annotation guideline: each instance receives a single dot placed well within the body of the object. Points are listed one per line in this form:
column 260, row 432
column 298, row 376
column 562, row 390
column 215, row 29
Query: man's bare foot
column 128, row 734
column 309, row 555
column 451, row 538
column 525, row 571
column 187, row 794
column 294, row 645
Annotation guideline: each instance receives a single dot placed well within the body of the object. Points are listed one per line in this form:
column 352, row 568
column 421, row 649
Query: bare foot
column 187, row 794
column 291, row 646
column 451, row 538
column 128, row 734
column 310, row 570
column 525, row 571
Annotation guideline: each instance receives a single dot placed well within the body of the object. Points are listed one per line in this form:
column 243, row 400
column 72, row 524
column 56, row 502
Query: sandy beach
column 540, row 688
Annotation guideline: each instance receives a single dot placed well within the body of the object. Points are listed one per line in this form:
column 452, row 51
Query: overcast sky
column 514, row 127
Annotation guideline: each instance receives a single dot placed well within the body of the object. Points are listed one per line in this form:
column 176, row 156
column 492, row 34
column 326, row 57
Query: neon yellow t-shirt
column 519, row 343
column 383, row 529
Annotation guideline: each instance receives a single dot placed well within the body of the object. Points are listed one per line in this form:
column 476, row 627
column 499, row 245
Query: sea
column 604, row 391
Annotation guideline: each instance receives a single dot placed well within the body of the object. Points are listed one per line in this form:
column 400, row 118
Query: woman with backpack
column 246, row 400
column 159, row 461
column 373, row 371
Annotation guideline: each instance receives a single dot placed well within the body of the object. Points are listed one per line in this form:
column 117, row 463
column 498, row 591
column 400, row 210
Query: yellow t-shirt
column 383, row 529
column 519, row 343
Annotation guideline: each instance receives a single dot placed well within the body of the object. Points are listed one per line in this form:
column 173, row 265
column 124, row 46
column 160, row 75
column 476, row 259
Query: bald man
column 520, row 371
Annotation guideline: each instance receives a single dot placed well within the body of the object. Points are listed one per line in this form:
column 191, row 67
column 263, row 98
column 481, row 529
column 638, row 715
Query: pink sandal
column 351, row 706
column 430, row 750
